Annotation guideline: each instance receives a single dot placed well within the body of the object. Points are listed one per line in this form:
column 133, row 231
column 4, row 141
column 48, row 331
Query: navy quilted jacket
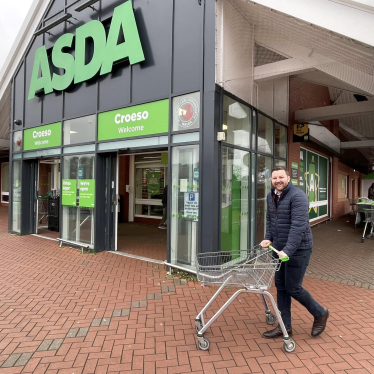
column 287, row 225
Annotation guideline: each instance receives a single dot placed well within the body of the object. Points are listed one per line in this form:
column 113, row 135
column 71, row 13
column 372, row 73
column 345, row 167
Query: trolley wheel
column 270, row 319
column 290, row 345
column 205, row 346
column 198, row 325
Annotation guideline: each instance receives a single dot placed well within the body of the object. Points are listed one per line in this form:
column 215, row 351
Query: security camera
column 17, row 122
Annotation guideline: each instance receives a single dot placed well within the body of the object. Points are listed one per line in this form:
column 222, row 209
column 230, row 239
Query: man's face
column 279, row 179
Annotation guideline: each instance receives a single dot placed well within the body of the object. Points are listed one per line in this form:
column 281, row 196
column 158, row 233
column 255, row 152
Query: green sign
column 106, row 51
column 314, row 182
column 87, row 193
column 69, row 192
column 139, row 120
column 294, row 165
column 42, row 137
column 153, row 181
column 294, row 182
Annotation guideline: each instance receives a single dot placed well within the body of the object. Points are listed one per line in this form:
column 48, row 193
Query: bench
column 79, row 245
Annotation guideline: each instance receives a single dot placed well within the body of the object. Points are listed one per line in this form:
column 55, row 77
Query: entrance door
column 106, row 202
column 48, row 202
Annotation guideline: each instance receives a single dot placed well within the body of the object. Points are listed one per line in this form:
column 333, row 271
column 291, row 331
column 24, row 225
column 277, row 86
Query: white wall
column 234, row 51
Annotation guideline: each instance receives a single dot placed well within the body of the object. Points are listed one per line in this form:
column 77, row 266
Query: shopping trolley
column 252, row 269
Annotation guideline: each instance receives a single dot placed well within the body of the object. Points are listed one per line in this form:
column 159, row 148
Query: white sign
column 191, row 205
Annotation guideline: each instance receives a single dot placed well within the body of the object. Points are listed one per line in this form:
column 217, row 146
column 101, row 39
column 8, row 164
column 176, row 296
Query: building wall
column 234, row 51
column 305, row 95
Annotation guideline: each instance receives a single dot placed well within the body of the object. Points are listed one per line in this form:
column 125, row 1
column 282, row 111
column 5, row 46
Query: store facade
column 136, row 79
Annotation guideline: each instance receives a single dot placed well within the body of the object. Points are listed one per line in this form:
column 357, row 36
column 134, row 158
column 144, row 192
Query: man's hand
column 282, row 254
column 265, row 243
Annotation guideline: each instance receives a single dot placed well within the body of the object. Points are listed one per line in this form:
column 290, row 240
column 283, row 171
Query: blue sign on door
column 191, row 197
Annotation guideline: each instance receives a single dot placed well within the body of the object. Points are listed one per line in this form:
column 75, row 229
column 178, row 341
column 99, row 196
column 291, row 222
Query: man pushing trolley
column 288, row 229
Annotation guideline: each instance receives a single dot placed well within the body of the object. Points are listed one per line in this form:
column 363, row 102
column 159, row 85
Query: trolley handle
column 283, row 259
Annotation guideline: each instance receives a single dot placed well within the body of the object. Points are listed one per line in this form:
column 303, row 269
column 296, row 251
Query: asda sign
column 106, row 51
column 42, row 137
column 139, row 120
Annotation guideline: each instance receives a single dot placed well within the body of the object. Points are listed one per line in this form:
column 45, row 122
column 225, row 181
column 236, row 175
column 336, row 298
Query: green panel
column 87, row 193
column 42, row 137
column 69, row 192
column 294, row 182
column 139, row 120
column 322, row 210
column 323, row 175
column 164, row 158
column 303, row 170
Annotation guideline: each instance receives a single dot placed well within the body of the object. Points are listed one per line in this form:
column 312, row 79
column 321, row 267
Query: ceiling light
column 224, row 127
column 236, row 111
column 73, row 132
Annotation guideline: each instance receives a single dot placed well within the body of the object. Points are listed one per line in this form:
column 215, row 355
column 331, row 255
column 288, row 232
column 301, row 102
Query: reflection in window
column 280, row 141
column 235, row 209
column 185, row 204
column 80, row 130
column 264, row 166
column 265, row 134
column 236, row 122
column 17, row 141
column 78, row 222
column 282, row 163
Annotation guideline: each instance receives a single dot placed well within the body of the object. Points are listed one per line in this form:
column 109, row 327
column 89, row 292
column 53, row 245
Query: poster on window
column 313, row 181
column 153, row 183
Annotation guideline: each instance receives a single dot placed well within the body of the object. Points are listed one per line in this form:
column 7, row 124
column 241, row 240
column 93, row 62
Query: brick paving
column 66, row 312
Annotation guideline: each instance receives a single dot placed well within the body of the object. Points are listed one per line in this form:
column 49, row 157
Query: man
column 287, row 227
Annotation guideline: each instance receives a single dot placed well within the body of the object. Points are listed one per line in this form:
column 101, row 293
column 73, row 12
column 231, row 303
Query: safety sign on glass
column 191, row 205
column 69, row 192
column 87, row 193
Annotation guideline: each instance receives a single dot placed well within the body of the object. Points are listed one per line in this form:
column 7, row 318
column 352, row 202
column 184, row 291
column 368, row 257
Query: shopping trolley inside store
column 251, row 269
column 43, row 207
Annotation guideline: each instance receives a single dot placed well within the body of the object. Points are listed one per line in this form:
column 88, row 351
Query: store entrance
column 48, row 198
column 142, row 216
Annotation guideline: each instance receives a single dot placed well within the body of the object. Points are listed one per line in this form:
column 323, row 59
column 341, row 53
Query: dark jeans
column 164, row 216
column 289, row 280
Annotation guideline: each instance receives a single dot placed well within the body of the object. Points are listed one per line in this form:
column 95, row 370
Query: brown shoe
column 319, row 324
column 275, row 333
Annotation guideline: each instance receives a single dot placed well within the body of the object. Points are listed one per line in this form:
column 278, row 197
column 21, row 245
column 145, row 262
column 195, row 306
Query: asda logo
column 106, row 51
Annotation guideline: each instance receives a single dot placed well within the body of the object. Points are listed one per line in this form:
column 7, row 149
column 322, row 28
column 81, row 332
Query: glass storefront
column 235, row 204
column 5, row 182
column 77, row 217
column 184, row 204
column 16, row 196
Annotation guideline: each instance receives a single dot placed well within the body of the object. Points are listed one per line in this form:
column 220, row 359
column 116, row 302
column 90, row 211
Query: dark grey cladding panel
column 151, row 78
column 18, row 94
column 117, row 82
column 188, row 40
column 56, row 32
column 33, row 108
column 107, row 7
column 57, row 6
column 52, row 107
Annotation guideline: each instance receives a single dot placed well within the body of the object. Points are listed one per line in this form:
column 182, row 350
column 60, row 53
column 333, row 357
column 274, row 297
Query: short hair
column 278, row 168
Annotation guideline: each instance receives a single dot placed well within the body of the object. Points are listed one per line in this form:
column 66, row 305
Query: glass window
column 16, row 196
column 4, row 182
column 186, row 112
column 185, row 204
column 235, row 208
column 265, row 134
column 280, row 141
column 78, row 222
column 236, row 122
column 282, row 163
column 17, row 141
column 80, row 130
column 264, row 166
column 253, row 200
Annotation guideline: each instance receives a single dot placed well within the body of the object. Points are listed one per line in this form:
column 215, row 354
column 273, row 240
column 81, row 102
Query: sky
column 12, row 15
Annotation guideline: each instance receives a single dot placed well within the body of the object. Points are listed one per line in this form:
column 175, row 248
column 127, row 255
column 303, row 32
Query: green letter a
column 123, row 16
column 45, row 81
